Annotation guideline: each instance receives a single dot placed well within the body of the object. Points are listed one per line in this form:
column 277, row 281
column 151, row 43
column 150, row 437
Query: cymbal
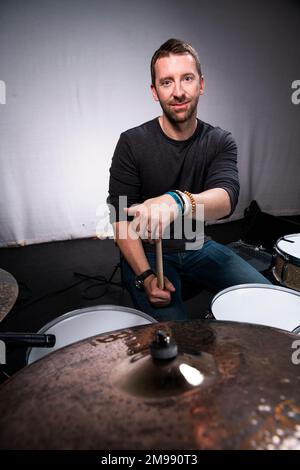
column 79, row 397
column 8, row 292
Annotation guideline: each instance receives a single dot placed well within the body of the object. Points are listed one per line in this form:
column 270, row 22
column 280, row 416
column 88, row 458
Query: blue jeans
column 214, row 266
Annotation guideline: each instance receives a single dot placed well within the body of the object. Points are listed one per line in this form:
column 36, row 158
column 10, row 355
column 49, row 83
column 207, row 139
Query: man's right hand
column 151, row 217
column 156, row 296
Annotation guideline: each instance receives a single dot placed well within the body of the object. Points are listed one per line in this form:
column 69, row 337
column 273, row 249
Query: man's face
column 177, row 86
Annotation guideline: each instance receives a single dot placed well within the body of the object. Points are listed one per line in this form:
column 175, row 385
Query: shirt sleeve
column 124, row 182
column 222, row 169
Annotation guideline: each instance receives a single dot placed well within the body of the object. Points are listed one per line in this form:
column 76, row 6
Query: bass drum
column 286, row 269
column 84, row 323
column 262, row 304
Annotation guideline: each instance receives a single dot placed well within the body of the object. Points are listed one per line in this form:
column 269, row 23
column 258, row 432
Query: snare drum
column 262, row 304
column 83, row 323
column 286, row 268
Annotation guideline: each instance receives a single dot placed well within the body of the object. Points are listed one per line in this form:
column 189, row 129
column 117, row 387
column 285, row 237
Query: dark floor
column 48, row 286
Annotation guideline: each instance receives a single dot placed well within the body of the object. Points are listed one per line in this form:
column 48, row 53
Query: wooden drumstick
column 159, row 264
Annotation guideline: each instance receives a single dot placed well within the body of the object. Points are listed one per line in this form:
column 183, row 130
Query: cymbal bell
column 164, row 372
column 8, row 292
column 79, row 397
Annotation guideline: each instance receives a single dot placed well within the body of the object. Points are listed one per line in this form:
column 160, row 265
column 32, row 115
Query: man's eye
column 166, row 82
column 188, row 78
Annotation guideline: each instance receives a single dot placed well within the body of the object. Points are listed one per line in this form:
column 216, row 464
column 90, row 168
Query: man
column 168, row 168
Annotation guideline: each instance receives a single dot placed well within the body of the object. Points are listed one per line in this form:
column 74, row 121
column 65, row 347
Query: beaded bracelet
column 192, row 199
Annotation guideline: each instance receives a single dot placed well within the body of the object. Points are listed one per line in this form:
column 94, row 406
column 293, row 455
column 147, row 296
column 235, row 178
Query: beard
column 181, row 115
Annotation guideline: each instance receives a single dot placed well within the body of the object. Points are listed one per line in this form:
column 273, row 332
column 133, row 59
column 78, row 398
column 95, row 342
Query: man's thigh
column 218, row 267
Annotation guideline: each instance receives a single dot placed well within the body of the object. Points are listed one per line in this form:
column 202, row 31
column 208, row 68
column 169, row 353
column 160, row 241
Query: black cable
column 101, row 281
column 51, row 294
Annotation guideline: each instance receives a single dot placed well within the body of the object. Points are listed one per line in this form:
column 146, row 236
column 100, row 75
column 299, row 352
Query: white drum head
column 84, row 323
column 258, row 303
column 290, row 244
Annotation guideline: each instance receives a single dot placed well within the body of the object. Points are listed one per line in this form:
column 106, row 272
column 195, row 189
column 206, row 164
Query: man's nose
column 178, row 90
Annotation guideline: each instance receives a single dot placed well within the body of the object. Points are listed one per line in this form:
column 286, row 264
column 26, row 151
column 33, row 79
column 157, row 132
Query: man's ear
column 154, row 94
column 202, row 85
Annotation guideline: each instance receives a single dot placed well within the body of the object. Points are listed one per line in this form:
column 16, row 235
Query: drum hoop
column 93, row 309
column 287, row 257
column 254, row 286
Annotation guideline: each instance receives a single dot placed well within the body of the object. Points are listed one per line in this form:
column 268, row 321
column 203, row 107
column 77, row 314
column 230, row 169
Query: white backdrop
column 77, row 74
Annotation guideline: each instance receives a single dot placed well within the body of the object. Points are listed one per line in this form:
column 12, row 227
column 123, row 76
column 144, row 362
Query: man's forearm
column 216, row 203
column 132, row 249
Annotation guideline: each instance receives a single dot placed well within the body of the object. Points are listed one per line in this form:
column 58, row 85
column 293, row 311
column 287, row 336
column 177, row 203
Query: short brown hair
column 174, row 46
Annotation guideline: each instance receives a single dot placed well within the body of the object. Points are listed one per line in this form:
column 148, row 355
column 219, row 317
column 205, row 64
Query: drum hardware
column 164, row 371
column 286, row 261
column 284, row 269
column 28, row 339
column 256, row 255
column 241, row 391
column 208, row 315
column 260, row 227
column 162, row 347
column 14, row 340
column 8, row 294
column 283, row 274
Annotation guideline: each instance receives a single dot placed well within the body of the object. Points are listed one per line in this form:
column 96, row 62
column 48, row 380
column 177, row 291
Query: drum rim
column 291, row 258
column 254, row 285
column 78, row 311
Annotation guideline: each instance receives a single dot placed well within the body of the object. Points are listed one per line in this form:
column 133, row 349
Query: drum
column 286, row 268
column 84, row 323
column 259, row 303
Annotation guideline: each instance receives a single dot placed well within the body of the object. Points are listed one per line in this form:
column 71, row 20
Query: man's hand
column 153, row 216
column 156, row 296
